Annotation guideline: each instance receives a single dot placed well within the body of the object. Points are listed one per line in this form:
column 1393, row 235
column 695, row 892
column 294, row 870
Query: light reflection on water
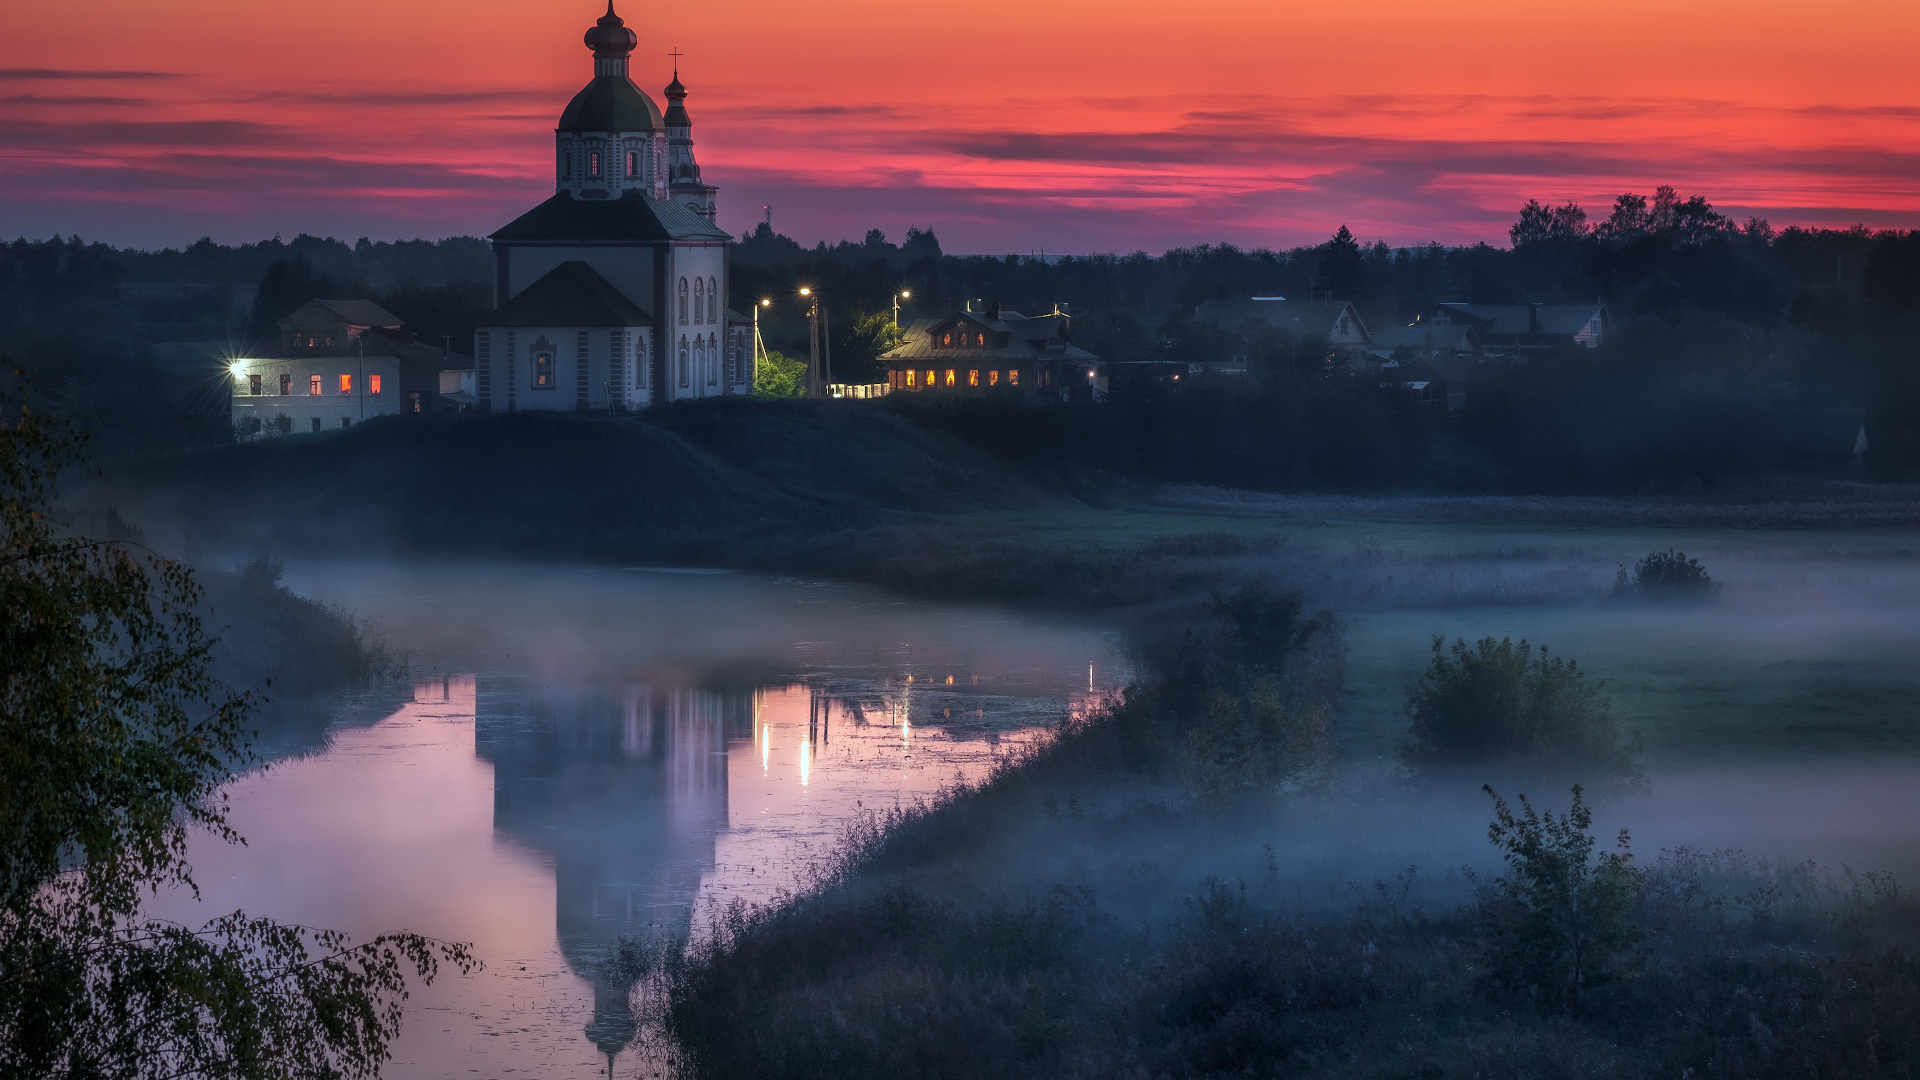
column 605, row 774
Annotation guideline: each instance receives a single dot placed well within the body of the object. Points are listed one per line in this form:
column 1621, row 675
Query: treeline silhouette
column 1726, row 336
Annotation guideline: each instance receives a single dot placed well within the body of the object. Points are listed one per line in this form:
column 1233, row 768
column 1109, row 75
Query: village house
column 339, row 362
column 1334, row 321
column 995, row 350
column 1517, row 328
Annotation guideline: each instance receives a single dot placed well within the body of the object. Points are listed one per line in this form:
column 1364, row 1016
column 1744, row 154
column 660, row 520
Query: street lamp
column 903, row 294
column 759, row 346
column 818, row 378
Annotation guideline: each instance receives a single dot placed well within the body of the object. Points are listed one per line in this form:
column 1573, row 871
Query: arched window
column 699, row 301
column 683, row 361
column 713, row 359
column 683, row 301
column 713, row 300
column 593, row 163
column 699, row 358
column 633, row 163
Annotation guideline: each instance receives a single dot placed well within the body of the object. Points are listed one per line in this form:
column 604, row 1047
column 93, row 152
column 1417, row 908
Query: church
column 612, row 293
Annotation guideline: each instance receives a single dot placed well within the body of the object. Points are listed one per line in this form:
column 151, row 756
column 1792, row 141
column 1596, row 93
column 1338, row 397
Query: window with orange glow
column 949, row 376
column 1013, row 377
column 313, row 385
column 981, row 340
column 993, row 378
column 912, row 378
column 346, row 384
column 373, row 383
column 946, row 339
column 973, row 377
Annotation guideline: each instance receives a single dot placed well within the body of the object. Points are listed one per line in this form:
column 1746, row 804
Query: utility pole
column 759, row 346
column 813, row 343
column 826, row 340
column 362, row 342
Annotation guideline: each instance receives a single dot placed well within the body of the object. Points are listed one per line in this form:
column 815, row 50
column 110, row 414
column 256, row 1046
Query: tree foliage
column 1560, row 920
column 1666, row 574
column 1497, row 704
column 115, row 743
column 778, row 375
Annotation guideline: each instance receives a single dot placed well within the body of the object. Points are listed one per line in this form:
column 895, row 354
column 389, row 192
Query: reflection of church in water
column 626, row 791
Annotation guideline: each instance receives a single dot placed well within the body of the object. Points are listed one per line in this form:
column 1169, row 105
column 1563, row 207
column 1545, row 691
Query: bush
column 1497, row 703
column 779, row 376
column 1560, row 921
column 1666, row 575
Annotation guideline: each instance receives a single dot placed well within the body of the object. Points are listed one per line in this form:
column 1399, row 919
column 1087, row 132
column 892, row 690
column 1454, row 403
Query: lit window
column 912, row 378
column 346, row 384
column 543, row 370
column 253, row 385
column 286, row 385
column 930, row 381
column 949, row 376
column 593, row 163
column 946, row 339
column 973, row 377
column 1013, row 377
column 981, row 340
column 313, row 385
column 993, row 378
column 373, row 383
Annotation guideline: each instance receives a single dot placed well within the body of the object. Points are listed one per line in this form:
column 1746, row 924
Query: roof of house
column 1526, row 318
column 351, row 312
column 1026, row 339
column 611, row 103
column 1278, row 312
column 373, row 343
column 632, row 216
column 571, row 294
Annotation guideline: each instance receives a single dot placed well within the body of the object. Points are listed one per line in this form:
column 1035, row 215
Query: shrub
column 1499, row 703
column 1666, row 575
column 1560, row 920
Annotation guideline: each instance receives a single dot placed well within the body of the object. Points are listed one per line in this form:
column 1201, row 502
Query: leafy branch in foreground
column 115, row 743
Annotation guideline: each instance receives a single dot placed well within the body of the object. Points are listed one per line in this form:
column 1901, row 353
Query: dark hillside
column 686, row 484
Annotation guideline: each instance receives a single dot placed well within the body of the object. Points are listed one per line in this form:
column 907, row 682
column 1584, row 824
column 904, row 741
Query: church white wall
column 696, row 331
column 561, row 368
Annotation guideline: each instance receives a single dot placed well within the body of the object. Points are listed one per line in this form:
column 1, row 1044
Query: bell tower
column 684, row 185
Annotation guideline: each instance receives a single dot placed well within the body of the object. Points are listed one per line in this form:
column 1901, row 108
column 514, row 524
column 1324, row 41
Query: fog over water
column 595, row 752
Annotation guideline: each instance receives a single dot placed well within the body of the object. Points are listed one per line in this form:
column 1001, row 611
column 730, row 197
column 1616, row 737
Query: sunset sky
column 1068, row 125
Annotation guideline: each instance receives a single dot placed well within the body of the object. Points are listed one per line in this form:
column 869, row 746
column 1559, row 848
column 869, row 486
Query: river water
column 590, row 753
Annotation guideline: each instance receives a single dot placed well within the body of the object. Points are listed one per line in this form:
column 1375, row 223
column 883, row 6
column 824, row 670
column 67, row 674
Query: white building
column 612, row 293
column 339, row 362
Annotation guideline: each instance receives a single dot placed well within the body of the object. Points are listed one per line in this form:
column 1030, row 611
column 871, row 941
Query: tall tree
column 115, row 744
column 1342, row 273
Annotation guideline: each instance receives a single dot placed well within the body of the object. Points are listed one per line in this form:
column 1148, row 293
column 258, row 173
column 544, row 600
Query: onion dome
column 609, row 38
column 677, row 103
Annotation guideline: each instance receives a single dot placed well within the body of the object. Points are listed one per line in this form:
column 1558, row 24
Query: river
column 589, row 753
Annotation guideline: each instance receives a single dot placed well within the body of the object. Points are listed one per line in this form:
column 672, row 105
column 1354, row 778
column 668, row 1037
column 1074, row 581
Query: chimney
column 994, row 311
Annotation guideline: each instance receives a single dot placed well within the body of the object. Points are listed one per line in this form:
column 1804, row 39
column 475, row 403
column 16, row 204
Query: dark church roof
column 633, row 216
column 571, row 294
column 611, row 103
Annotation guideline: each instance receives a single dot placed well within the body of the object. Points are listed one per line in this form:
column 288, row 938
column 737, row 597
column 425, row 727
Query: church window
column 973, row 377
column 543, row 370
column 316, row 423
column 566, row 159
column 683, row 303
column 633, row 163
column 346, row 383
column 1013, row 377
column 286, row 385
column 593, row 164
column 949, row 376
column 993, row 378
column 713, row 359
column 683, row 361
column 253, row 385
column 699, row 300
column 713, row 300
column 313, row 385
column 373, row 384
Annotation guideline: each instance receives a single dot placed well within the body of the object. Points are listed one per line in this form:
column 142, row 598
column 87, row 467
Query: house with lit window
column 994, row 351
column 612, row 294
column 339, row 362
